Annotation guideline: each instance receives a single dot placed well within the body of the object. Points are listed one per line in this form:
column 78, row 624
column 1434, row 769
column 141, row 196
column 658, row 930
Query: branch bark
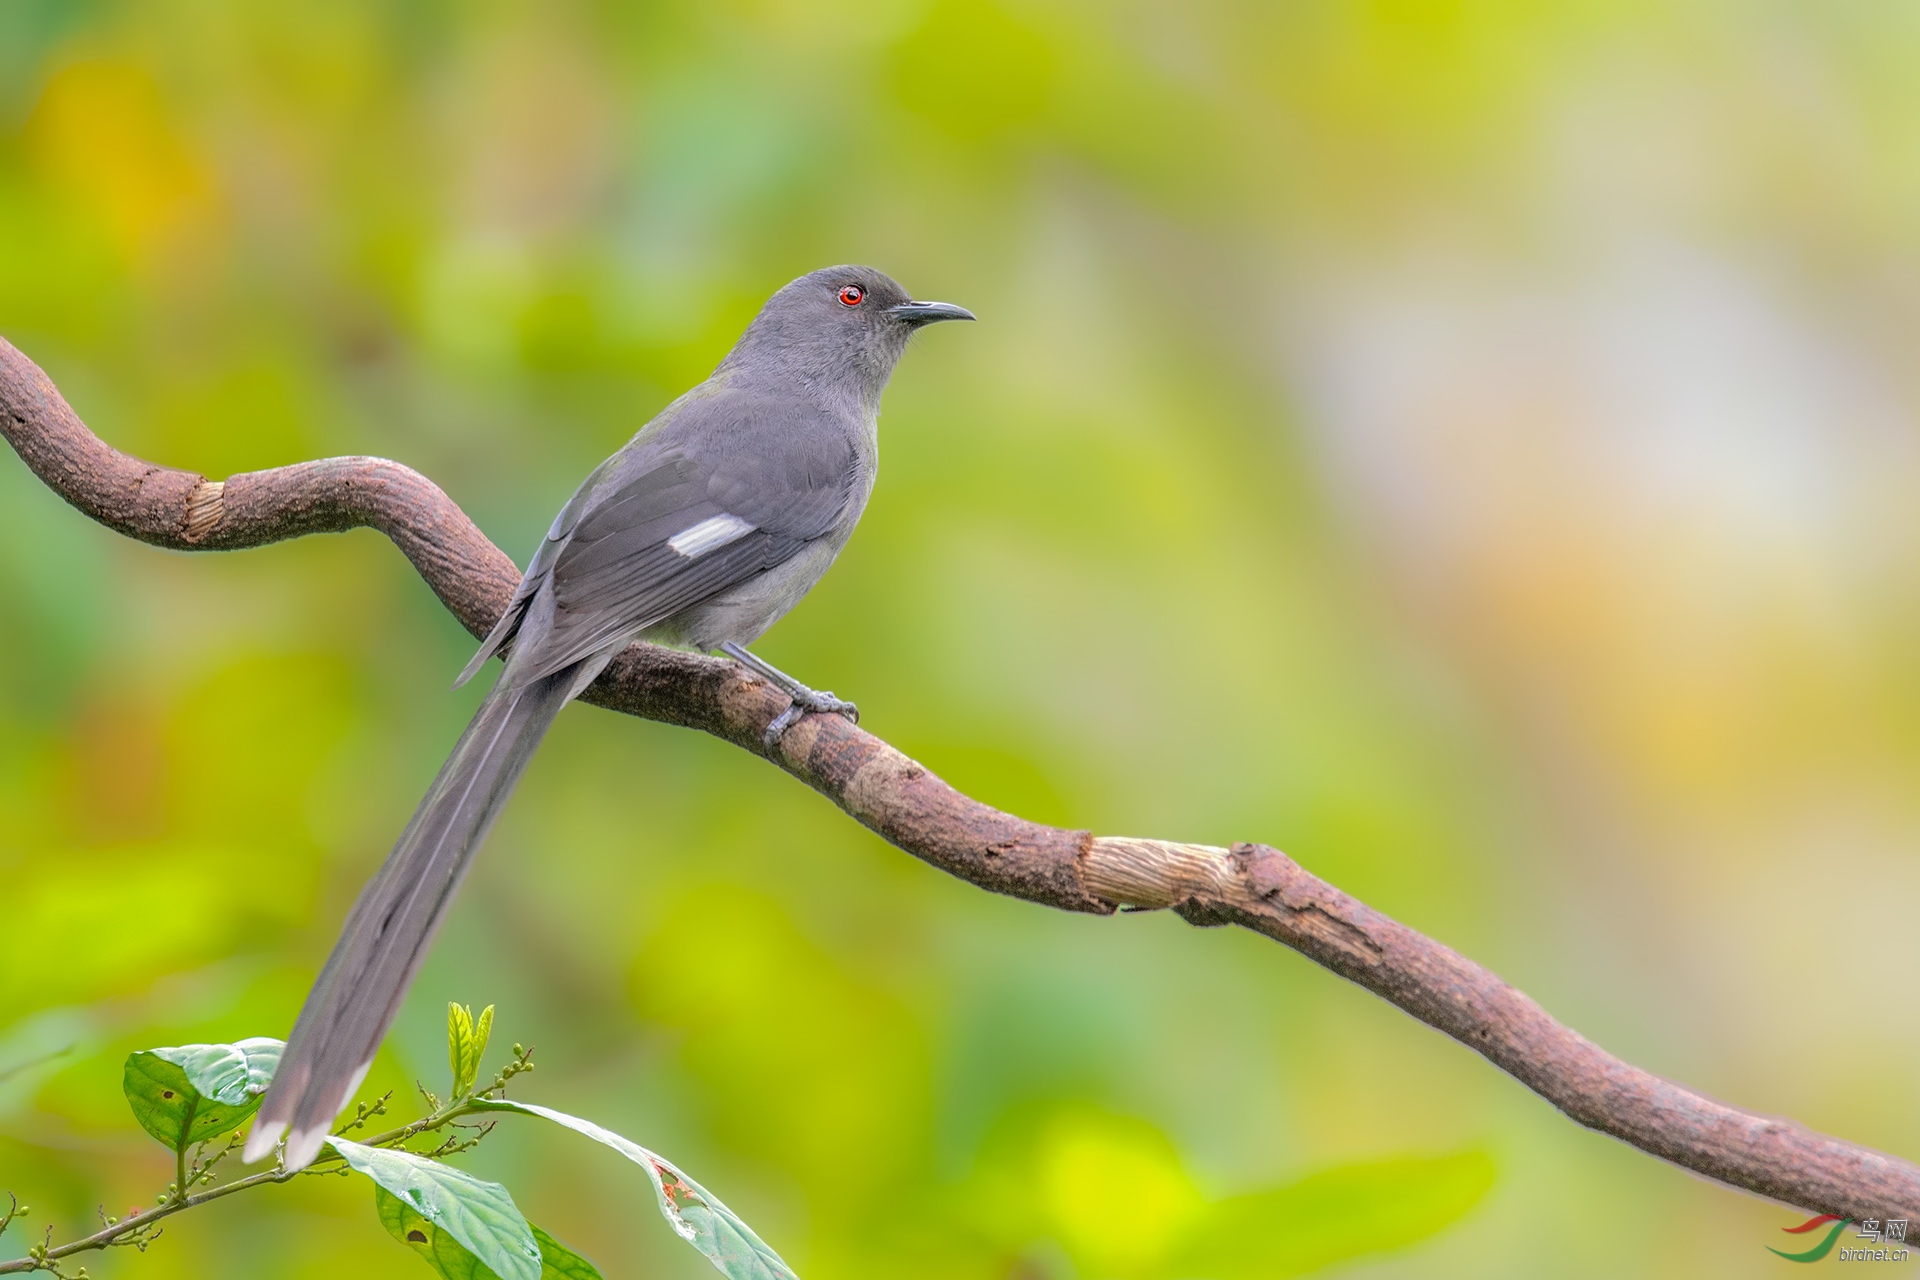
column 1250, row 885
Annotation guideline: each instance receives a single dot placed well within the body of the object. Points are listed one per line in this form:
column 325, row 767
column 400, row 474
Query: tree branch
column 1250, row 885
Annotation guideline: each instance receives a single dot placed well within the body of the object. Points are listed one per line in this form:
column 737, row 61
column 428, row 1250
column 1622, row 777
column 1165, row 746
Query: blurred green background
column 1468, row 445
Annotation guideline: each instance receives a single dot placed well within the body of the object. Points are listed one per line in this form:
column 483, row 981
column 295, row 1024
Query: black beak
column 919, row 313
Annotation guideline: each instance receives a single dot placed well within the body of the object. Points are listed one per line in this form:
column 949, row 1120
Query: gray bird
column 702, row 531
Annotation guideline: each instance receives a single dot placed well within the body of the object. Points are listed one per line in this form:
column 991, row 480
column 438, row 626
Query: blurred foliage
column 1469, row 445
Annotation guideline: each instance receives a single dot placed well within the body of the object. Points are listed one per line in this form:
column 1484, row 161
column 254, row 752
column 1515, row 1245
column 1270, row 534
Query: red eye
column 852, row 294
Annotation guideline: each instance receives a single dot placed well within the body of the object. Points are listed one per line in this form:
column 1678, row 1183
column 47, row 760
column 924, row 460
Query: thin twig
column 116, row 1231
column 180, row 1152
column 1250, row 885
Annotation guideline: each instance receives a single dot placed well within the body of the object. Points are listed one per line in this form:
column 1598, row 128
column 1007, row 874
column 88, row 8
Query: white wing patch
column 710, row 534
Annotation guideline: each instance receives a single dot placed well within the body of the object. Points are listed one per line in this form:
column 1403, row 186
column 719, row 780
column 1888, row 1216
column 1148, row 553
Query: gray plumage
column 702, row 531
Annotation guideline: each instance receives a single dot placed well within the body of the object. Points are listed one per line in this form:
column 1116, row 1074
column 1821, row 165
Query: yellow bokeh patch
column 100, row 133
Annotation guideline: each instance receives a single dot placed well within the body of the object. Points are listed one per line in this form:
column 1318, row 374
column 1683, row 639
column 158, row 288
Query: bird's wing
column 558, row 534
column 726, row 490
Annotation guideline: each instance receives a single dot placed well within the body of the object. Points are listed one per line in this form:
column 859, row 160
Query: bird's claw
column 808, row 701
column 827, row 704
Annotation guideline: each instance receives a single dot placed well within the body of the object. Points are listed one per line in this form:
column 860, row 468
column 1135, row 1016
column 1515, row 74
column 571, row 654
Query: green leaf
column 699, row 1218
column 459, row 1046
column 480, row 1216
column 437, row 1248
column 482, row 1032
column 228, row 1073
column 194, row 1092
column 466, row 1042
column 452, row 1260
column 557, row 1262
column 1333, row 1216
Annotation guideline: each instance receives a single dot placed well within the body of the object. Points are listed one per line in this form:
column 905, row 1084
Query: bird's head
column 841, row 329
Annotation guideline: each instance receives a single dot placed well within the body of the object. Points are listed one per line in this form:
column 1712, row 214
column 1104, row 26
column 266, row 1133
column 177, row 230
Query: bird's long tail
column 386, row 935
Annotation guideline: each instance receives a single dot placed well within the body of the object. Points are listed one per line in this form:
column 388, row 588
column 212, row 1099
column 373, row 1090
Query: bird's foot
column 807, row 701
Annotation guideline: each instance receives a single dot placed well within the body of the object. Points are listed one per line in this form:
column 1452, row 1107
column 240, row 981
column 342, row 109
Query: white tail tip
column 303, row 1145
column 261, row 1141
